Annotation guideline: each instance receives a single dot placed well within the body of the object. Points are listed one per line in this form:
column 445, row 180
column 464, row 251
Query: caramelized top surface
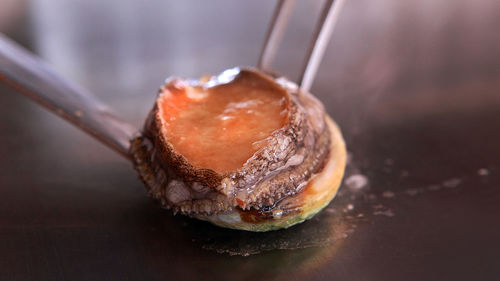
column 221, row 124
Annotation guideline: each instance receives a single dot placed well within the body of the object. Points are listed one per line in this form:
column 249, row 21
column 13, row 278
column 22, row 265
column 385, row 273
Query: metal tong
column 29, row 75
column 319, row 42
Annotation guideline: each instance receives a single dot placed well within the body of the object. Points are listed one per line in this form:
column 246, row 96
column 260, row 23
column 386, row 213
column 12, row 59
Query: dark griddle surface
column 414, row 86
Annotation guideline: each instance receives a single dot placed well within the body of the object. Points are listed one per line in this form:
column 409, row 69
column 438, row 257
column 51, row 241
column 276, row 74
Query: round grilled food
column 243, row 150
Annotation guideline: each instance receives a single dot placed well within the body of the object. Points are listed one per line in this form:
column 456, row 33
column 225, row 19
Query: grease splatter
column 387, row 213
column 483, row 172
column 356, row 182
column 452, row 183
column 388, row 194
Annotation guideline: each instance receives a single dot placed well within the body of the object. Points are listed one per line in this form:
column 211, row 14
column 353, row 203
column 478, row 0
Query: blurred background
column 123, row 50
column 414, row 85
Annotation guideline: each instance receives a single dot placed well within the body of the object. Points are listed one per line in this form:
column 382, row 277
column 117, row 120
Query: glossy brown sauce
column 221, row 127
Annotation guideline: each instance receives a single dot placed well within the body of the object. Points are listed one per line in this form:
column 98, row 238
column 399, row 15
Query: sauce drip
column 222, row 126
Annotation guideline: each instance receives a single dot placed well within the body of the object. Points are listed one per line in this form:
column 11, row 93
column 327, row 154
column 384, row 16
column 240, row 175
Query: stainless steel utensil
column 32, row 77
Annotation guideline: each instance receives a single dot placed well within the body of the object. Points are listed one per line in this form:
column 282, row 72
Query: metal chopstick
column 26, row 73
column 328, row 19
column 324, row 28
column 275, row 32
